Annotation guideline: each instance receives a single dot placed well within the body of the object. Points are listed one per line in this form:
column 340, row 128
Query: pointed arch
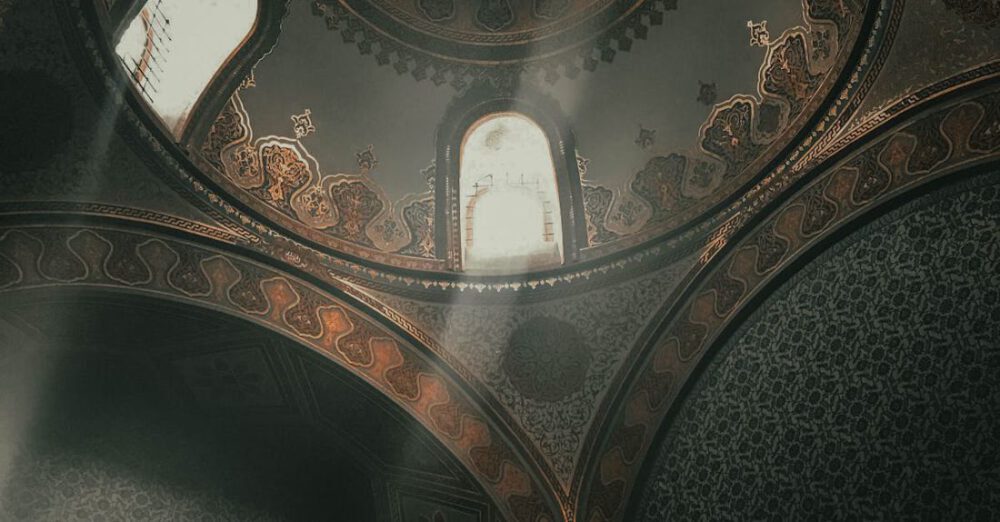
column 170, row 264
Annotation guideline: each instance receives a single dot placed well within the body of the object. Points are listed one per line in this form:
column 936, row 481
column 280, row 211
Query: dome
column 345, row 131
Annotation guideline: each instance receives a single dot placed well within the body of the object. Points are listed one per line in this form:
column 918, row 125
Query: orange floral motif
column 357, row 205
column 788, row 73
column 285, row 171
column 246, row 163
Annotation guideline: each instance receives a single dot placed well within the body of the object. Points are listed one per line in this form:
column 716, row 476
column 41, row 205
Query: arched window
column 173, row 48
column 510, row 219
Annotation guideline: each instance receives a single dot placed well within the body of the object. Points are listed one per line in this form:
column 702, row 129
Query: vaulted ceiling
column 179, row 412
column 777, row 199
column 668, row 120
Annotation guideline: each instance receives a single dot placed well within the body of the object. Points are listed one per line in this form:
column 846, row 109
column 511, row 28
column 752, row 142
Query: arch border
column 52, row 251
column 948, row 184
column 864, row 175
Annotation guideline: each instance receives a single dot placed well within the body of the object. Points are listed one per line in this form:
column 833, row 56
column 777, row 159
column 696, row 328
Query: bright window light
column 173, row 48
column 510, row 220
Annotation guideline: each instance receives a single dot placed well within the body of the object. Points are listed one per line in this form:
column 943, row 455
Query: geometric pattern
column 856, row 185
column 879, row 402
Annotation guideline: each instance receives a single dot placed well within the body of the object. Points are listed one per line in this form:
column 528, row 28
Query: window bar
column 468, row 222
column 549, row 233
column 148, row 69
column 161, row 20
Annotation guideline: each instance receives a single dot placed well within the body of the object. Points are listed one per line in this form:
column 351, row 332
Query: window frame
column 480, row 101
column 261, row 38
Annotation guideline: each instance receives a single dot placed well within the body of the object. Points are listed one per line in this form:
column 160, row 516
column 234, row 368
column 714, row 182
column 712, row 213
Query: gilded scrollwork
column 280, row 172
column 739, row 132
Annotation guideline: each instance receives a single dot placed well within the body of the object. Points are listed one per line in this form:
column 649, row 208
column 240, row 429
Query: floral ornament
column 582, row 164
column 284, row 170
column 246, row 164
column 821, row 45
column 366, row 159
column 704, row 173
column 302, row 124
column 707, row 93
column 646, row 137
column 430, row 174
column 249, row 82
column 315, row 203
column 627, row 212
column 759, row 36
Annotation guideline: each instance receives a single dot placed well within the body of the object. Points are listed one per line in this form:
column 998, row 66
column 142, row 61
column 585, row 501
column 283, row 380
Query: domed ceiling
column 716, row 149
column 672, row 108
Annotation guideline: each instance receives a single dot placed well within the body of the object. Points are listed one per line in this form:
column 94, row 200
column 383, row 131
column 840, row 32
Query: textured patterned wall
column 867, row 386
column 102, row 444
column 548, row 363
